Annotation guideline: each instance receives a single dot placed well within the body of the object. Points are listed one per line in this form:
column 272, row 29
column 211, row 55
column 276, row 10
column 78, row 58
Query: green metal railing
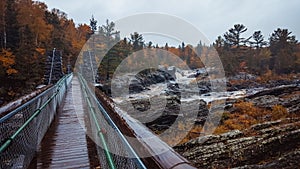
column 114, row 147
column 23, row 129
column 99, row 132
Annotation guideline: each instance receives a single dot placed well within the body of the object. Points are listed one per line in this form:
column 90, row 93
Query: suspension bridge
column 48, row 131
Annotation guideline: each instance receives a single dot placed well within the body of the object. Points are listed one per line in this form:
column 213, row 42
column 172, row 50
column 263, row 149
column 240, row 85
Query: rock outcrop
column 273, row 144
column 147, row 78
column 161, row 113
column 287, row 96
column 250, row 84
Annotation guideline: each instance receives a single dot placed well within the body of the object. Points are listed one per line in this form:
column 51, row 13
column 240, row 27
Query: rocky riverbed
column 156, row 100
column 272, row 144
column 161, row 91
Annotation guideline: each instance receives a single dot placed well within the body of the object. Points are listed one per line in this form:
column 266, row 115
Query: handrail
column 110, row 121
column 36, row 113
column 15, row 111
column 99, row 131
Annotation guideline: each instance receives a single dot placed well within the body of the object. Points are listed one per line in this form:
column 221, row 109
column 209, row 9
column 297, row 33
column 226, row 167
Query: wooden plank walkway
column 64, row 145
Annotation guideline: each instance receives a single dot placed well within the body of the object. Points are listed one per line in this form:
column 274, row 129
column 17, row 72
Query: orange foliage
column 8, row 60
column 41, row 51
column 246, row 114
column 278, row 112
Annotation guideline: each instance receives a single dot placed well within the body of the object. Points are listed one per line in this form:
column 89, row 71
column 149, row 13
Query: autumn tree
column 57, row 19
column 7, row 61
column 32, row 36
column 83, row 32
column 7, row 70
column 27, row 30
column 37, row 25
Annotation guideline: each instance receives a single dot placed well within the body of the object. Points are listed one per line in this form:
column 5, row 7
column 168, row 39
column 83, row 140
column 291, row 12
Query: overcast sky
column 211, row 17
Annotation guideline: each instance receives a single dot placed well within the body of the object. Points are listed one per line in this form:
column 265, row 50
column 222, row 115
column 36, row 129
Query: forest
column 28, row 29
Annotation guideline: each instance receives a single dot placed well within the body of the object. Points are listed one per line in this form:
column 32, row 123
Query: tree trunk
column 36, row 39
column 4, row 36
column 4, row 29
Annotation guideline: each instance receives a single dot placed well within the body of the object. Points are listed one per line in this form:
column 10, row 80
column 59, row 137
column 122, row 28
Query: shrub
column 278, row 112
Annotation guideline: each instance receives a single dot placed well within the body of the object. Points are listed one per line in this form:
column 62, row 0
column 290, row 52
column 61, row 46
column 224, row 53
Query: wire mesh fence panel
column 116, row 146
column 22, row 130
column 107, row 137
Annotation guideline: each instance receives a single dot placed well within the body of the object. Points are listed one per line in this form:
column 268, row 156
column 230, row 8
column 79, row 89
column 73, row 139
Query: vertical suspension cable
column 50, row 76
column 94, row 80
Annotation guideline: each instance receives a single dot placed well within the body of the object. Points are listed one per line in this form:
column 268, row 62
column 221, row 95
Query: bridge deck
column 64, row 145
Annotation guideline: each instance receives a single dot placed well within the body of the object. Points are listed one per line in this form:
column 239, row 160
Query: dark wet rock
column 136, row 86
column 276, row 91
column 198, row 73
column 173, row 89
column 204, row 87
column 149, row 77
column 1, row 101
column 265, row 125
column 105, row 87
column 293, row 103
column 266, row 101
column 169, row 70
column 202, row 113
column 287, row 160
column 250, row 84
column 158, row 116
column 173, row 85
column 287, row 96
column 204, row 90
column 245, row 85
column 270, row 145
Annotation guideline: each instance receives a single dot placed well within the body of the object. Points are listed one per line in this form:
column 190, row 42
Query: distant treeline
column 279, row 54
column 28, row 29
